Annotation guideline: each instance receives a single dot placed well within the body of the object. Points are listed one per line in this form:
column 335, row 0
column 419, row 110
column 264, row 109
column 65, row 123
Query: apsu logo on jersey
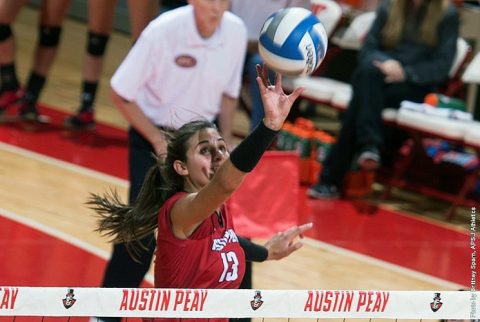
column 69, row 300
column 257, row 300
column 185, row 61
column 436, row 304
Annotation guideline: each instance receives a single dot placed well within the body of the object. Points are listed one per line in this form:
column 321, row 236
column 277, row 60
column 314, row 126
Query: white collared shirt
column 255, row 12
column 175, row 75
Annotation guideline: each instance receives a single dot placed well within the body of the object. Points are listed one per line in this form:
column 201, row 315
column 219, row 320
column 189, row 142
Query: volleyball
column 293, row 42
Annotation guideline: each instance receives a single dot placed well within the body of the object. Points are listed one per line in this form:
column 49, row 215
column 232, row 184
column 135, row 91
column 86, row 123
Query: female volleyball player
column 184, row 197
column 186, row 65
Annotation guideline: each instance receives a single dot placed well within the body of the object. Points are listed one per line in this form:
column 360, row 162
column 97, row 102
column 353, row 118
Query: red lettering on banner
column 308, row 303
column 338, row 301
column 329, row 301
column 369, row 301
column 348, row 302
column 133, row 300
column 8, row 298
column 190, row 300
column 378, row 304
column 372, row 301
column 145, row 300
column 123, row 304
column 178, row 299
column 187, row 300
column 165, row 300
column 386, row 297
column 361, row 300
column 203, row 298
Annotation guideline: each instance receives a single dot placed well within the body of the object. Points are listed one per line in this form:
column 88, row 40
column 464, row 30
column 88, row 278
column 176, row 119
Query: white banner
column 200, row 303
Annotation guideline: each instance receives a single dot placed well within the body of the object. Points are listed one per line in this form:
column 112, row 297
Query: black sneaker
column 80, row 121
column 323, row 191
column 369, row 159
column 29, row 112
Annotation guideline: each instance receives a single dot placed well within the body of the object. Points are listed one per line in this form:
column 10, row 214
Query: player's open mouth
column 211, row 174
column 213, row 170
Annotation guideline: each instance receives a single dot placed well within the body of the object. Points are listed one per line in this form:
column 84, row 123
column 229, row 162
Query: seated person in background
column 254, row 13
column 407, row 53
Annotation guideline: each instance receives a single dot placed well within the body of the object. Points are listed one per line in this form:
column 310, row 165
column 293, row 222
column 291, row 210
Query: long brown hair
column 399, row 10
column 129, row 223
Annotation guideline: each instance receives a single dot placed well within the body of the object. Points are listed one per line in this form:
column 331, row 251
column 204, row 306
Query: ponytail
column 129, row 224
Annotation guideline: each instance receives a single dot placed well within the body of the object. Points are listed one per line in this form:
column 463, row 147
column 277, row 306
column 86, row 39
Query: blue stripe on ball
column 319, row 48
column 293, row 39
column 273, row 48
column 290, row 49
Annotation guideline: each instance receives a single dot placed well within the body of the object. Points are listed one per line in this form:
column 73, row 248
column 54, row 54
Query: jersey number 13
column 230, row 267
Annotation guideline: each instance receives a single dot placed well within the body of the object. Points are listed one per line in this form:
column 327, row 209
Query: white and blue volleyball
column 293, row 42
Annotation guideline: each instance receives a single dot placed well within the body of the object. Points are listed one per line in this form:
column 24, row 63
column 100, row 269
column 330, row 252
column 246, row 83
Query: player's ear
column 180, row 168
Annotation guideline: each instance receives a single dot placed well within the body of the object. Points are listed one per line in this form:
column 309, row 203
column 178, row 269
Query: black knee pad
column 96, row 43
column 5, row 32
column 49, row 36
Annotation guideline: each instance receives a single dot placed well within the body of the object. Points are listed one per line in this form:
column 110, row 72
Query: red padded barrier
column 267, row 201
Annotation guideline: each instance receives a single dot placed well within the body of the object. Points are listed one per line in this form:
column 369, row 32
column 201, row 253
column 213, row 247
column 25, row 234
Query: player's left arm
column 226, row 116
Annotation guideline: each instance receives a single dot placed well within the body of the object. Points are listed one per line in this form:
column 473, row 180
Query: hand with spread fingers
column 276, row 103
column 284, row 243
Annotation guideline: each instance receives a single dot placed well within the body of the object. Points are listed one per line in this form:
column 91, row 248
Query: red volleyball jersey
column 210, row 258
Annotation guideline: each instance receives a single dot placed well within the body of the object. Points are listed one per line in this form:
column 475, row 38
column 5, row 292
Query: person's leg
column 122, row 270
column 369, row 120
column 141, row 12
column 369, row 90
column 376, row 97
column 50, row 26
column 9, row 85
column 339, row 160
column 100, row 22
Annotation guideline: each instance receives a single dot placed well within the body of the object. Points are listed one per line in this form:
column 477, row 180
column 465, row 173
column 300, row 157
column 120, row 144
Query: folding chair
column 456, row 132
column 329, row 13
